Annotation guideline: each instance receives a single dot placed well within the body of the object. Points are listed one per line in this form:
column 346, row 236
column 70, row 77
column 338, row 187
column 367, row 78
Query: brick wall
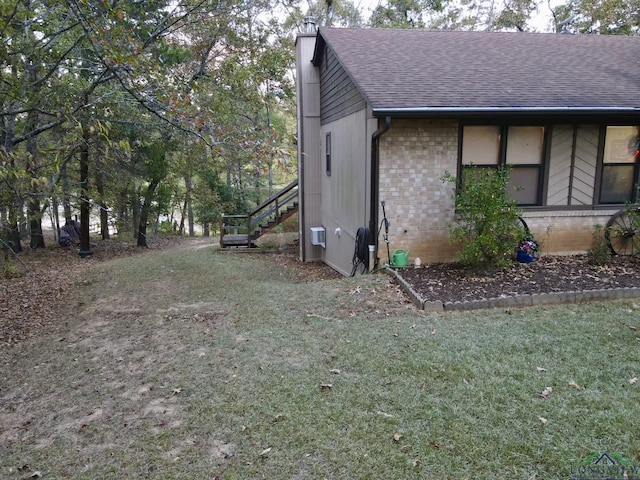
column 414, row 154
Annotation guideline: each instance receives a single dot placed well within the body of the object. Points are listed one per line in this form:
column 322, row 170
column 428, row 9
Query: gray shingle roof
column 449, row 70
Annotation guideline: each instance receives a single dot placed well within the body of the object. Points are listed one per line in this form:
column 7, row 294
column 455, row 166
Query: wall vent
column 318, row 236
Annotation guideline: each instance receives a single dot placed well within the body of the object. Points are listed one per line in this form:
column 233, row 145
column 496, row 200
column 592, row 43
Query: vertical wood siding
column 572, row 165
column 584, row 168
column 339, row 96
column 560, row 165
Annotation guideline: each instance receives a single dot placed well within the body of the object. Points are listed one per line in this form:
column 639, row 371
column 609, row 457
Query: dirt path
column 111, row 387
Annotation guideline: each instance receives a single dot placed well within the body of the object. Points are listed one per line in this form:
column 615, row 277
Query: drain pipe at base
column 375, row 174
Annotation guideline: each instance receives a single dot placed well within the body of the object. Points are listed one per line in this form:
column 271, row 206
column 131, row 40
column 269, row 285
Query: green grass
column 248, row 343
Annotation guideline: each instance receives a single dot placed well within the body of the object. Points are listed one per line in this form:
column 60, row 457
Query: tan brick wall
column 414, row 155
column 566, row 232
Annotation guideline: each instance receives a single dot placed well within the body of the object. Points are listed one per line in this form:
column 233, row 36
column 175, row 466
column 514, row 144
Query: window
column 328, row 153
column 522, row 148
column 619, row 164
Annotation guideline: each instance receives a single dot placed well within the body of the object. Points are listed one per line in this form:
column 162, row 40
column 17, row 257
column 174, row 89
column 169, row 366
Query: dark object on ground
column 70, row 234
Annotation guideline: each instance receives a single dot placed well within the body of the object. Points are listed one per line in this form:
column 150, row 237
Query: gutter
column 475, row 111
column 375, row 161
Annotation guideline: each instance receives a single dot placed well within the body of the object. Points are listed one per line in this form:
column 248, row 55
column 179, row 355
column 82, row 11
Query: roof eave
column 462, row 112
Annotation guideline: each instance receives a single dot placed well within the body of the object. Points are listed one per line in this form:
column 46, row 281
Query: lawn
column 192, row 363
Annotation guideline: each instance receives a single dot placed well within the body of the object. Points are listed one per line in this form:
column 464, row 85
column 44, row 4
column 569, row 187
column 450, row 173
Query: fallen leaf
column 631, row 327
column 540, row 369
column 396, row 437
column 278, row 417
column 573, row 384
column 546, row 392
column 265, row 452
column 176, row 391
column 433, row 332
column 542, row 420
column 633, row 380
column 416, row 463
column 335, row 371
column 326, row 386
column 435, row 445
column 386, row 415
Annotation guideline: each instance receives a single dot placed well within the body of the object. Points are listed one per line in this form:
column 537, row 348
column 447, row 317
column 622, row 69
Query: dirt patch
column 43, row 296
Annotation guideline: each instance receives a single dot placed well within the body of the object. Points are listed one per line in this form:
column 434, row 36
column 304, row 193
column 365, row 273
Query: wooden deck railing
column 244, row 230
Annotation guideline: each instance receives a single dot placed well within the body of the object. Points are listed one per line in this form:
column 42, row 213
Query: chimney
column 310, row 24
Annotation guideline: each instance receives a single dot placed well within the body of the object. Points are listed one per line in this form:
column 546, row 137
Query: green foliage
column 10, row 270
column 510, row 15
column 599, row 253
column 336, row 13
column 486, row 223
column 608, row 17
column 404, row 13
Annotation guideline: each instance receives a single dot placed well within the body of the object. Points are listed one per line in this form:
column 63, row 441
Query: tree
column 154, row 159
column 329, row 13
column 486, row 15
column 404, row 13
column 608, row 17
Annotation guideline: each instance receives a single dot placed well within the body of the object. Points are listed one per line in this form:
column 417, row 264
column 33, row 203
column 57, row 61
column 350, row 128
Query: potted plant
column 528, row 249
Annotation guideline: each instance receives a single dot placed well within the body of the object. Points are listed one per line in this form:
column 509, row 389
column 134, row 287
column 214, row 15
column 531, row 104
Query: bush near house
column 486, row 223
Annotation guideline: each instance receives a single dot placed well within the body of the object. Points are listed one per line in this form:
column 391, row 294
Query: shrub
column 486, row 222
column 10, row 270
column 599, row 253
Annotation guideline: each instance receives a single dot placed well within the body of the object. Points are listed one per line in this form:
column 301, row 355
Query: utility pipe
column 375, row 177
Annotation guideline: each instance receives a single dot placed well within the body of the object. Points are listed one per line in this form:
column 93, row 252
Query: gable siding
column 339, row 96
column 584, row 170
column 560, row 165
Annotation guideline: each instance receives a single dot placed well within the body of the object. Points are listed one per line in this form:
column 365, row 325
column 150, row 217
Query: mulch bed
column 450, row 282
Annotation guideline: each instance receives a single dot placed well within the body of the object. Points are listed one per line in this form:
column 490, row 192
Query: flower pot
column 524, row 257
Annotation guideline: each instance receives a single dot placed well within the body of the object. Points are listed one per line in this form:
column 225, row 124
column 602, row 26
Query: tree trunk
column 11, row 231
column 35, row 225
column 66, row 197
column 136, row 209
column 55, row 218
column 34, row 214
column 205, row 230
column 189, row 205
column 183, row 212
column 144, row 213
column 85, row 207
column 104, row 211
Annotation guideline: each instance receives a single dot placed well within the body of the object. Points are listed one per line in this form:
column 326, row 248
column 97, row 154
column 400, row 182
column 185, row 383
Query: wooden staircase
column 244, row 230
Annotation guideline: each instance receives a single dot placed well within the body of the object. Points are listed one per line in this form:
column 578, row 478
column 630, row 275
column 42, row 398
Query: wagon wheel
column 519, row 223
column 623, row 232
column 524, row 225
